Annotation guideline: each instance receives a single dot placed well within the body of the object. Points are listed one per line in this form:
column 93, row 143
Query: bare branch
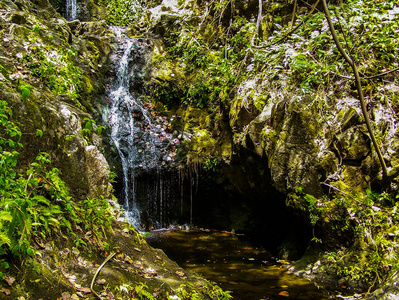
column 358, row 86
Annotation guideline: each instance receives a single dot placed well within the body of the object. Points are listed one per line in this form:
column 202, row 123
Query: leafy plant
column 25, row 90
column 59, row 74
column 39, row 133
column 37, row 206
column 121, row 12
column 206, row 291
column 312, row 201
column 139, row 291
column 211, row 164
column 89, row 126
column 374, row 221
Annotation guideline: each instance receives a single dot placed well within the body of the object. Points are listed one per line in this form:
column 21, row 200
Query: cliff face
column 270, row 128
column 59, row 66
column 58, row 226
column 275, row 115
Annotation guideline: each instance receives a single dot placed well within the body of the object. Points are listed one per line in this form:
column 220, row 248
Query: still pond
column 236, row 265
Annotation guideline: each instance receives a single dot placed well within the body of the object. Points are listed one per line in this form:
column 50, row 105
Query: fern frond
column 4, row 239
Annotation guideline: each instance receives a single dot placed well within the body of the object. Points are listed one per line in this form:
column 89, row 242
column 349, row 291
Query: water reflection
column 249, row 272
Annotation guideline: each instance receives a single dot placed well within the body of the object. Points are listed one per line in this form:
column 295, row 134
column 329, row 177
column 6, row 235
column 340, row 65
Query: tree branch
column 358, row 86
column 98, row 271
column 294, row 13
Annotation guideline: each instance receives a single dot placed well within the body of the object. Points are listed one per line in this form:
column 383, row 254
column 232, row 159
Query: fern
column 4, row 239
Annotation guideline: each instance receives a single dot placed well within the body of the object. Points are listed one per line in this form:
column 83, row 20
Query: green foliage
column 37, row 206
column 55, row 67
column 207, row 291
column 25, row 90
column 167, row 93
column 139, row 291
column 89, row 126
column 217, row 58
column 96, row 212
column 120, row 12
column 36, row 28
column 211, row 165
column 69, row 137
column 39, row 133
column 312, row 206
column 374, row 220
column 112, row 177
column 309, row 56
column 210, row 73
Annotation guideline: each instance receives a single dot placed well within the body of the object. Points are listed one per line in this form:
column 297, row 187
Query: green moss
column 87, row 85
column 260, row 101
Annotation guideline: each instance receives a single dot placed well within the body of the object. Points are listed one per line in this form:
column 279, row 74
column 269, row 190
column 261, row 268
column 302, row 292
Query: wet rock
column 98, row 172
column 353, row 144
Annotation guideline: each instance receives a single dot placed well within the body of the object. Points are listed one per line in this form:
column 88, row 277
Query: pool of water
column 236, row 265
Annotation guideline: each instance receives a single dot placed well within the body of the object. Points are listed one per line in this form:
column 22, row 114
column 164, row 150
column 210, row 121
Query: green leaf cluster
column 53, row 65
column 120, row 12
column 373, row 220
column 206, row 291
column 88, row 128
column 36, row 207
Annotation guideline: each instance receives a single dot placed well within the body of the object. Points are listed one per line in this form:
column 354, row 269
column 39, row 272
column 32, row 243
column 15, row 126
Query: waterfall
column 71, row 10
column 142, row 141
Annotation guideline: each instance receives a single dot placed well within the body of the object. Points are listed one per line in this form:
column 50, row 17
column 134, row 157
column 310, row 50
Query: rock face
column 272, row 140
column 59, row 63
column 265, row 155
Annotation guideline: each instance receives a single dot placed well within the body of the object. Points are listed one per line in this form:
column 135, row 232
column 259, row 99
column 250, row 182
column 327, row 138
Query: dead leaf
column 74, row 297
column 100, row 281
column 128, row 259
column 138, row 266
column 284, row 294
column 65, row 296
column 151, row 272
column 79, row 294
column 180, row 274
column 77, row 286
column 85, row 290
column 125, row 234
column 6, row 291
column 137, row 249
column 10, row 280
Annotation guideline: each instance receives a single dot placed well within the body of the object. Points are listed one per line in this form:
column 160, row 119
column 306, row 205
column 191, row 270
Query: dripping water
column 71, row 10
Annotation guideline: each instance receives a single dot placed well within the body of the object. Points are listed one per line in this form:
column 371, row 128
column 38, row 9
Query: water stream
column 141, row 138
column 71, row 10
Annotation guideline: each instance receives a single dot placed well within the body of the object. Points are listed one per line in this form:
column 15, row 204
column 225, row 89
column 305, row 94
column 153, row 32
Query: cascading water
column 71, row 10
column 141, row 139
